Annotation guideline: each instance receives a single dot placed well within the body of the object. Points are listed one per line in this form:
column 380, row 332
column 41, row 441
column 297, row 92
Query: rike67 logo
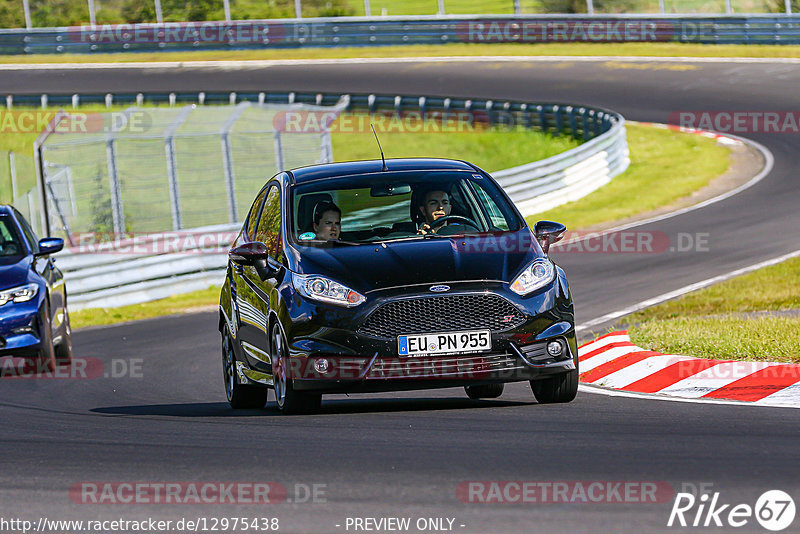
column 774, row 510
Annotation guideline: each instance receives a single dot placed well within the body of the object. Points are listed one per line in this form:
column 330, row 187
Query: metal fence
column 306, row 8
column 185, row 260
column 18, row 184
column 355, row 31
column 148, row 169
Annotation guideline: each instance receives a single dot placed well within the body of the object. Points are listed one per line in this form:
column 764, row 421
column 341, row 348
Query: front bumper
column 374, row 374
column 20, row 325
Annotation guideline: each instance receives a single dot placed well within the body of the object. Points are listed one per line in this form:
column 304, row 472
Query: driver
column 435, row 205
column 327, row 221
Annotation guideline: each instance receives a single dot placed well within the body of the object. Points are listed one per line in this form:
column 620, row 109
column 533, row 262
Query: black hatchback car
column 367, row 277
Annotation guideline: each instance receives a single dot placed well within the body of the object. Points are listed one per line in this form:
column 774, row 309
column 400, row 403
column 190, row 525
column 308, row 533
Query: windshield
column 398, row 206
column 10, row 244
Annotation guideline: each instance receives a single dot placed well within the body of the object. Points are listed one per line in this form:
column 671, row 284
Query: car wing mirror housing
column 50, row 245
column 255, row 254
column 547, row 233
column 249, row 253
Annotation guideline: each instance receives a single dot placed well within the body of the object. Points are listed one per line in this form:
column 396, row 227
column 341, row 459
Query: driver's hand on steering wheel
column 425, row 229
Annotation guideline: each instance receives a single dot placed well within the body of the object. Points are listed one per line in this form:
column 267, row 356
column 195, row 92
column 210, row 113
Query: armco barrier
column 362, row 31
column 104, row 278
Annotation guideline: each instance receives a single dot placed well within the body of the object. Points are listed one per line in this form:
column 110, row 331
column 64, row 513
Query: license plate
column 444, row 343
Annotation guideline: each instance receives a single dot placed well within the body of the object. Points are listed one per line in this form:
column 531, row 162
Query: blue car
column 34, row 323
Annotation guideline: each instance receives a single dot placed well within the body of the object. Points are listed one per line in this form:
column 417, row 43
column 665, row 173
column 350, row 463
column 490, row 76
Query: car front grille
column 442, row 313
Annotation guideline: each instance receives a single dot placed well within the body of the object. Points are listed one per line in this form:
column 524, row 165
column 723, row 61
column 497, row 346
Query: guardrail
column 362, row 31
column 105, row 275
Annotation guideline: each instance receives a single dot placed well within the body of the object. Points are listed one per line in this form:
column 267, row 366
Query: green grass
column 460, row 49
column 665, row 166
column 773, row 288
column 708, row 324
column 169, row 306
column 491, row 150
column 768, row 339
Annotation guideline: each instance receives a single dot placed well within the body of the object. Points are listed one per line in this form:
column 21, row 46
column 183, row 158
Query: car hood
column 13, row 271
column 439, row 260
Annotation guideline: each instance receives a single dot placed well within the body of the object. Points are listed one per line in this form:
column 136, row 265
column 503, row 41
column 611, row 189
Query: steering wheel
column 447, row 218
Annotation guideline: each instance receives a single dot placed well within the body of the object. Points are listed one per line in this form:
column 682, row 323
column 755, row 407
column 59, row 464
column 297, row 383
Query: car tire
column 289, row 400
column 484, row 391
column 240, row 396
column 46, row 359
column 556, row 389
column 63, row 351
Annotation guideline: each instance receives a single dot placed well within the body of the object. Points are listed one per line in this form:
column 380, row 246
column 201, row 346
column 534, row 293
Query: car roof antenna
column 383, row 159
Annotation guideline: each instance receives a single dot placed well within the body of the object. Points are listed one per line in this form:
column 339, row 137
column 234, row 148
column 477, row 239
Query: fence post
column 517, row 8
column 788, row 5
column 728, row 9
column 172, row 166
column 172, row 178
column 441, row 7
column 12, row 169
column 38, row 162
column 278, row 151
column 661, row 7
column 227, row 159
column 117, row 217
column 159, row 14
column 368, row 12
column 298, row 9
column 92, row 18
column 590, row 7
column 226, row 5
column 26, row 7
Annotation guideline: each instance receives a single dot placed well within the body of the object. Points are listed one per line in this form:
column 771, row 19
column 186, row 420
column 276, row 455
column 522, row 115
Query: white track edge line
column 769, row 164
column 686, row 289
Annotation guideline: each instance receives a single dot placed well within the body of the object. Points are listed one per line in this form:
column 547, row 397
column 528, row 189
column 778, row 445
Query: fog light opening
column 555, row 348
column 321, row 365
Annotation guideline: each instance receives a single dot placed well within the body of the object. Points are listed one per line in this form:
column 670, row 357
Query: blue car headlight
column 536, row 275
column 320, row 288
column 19, row 294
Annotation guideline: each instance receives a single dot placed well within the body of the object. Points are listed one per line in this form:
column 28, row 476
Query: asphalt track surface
column 405, row 454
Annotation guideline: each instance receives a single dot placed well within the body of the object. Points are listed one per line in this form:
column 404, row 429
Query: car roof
column 350, row 168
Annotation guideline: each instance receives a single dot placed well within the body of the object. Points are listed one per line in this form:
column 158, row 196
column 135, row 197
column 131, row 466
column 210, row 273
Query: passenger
column 435, row 204
column 327, row 221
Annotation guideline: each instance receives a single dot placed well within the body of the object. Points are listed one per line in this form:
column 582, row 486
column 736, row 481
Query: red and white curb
column 719, row 137
column 613, row 361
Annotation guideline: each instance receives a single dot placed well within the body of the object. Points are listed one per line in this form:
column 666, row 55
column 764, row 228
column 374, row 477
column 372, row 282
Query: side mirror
column 50, row 245
column 249, row 253
column 547, row 233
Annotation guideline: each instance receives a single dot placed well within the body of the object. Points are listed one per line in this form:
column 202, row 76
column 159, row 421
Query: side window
column 492, row 209
column 252, row 217
column 269, row 224
column 30, row 235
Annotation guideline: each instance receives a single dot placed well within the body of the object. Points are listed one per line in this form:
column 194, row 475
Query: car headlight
column 19, row 294
column 536, row 275
column 324, row 289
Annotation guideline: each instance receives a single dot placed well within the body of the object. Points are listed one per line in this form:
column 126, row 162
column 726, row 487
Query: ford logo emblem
column 439, row 289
